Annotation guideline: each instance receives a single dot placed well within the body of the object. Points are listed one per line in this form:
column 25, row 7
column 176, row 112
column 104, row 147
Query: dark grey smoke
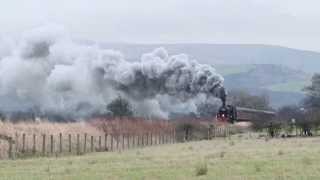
column 47, row 70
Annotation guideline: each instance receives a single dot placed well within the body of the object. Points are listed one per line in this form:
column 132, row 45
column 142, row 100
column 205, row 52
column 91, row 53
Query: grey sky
column 292, row 23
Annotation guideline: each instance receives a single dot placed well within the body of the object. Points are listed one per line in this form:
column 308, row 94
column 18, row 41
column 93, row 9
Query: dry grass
column 131, row 125
column 11, row 129
column 16, row 131
column 95, row 128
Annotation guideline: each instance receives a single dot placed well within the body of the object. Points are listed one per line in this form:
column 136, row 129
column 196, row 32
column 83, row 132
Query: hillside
column 281, row 84
column 262, row 76
column 307, row 61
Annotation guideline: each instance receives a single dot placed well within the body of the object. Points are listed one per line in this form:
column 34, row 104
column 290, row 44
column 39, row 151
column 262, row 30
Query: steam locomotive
column 226, row 113
column 232, row 114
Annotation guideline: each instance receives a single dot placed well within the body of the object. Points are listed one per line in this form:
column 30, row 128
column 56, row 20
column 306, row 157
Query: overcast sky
column 292, row 23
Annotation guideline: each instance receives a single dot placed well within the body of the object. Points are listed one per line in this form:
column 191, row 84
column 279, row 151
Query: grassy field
column 289, row 87
column 233, row 69
column 232, row 158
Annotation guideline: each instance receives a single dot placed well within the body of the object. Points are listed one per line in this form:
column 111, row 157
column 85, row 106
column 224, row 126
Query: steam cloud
column 46, row 70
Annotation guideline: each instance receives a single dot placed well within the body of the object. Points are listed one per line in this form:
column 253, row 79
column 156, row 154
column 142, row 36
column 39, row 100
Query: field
column 233, row 69
column 237, row 157
column 296, row 86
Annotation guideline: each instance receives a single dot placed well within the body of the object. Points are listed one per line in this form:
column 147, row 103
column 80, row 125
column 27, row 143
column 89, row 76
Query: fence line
column 63, row 144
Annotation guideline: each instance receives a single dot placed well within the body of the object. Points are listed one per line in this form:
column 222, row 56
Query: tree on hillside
column 312, row 101
column 313, row 93
column 120, row 107
column 287, row 113
column 244, row 99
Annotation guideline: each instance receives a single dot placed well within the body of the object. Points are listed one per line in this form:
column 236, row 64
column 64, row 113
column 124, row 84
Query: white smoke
column 47, row 70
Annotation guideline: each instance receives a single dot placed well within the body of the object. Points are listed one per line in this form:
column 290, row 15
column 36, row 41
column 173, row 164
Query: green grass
column 233, row 69
column 245, row 158
column 289, row 87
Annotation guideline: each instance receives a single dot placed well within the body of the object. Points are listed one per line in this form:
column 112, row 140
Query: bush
column 120, row 107
column 280, row 152
column 201, row 169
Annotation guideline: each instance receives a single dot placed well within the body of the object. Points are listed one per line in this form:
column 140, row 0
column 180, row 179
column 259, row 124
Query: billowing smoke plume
column 47, row 71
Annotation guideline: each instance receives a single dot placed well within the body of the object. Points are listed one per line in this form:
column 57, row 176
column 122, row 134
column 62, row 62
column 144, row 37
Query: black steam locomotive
column 232, row 114
column 226, row 113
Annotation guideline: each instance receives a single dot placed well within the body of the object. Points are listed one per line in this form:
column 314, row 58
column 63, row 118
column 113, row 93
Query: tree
column 312, row 101
column 120, row 107
column 313, row 93
column 287, row 113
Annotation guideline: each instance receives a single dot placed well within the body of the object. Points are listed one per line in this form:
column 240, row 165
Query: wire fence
column 35, row 145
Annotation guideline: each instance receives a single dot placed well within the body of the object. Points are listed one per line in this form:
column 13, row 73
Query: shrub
column 201, row 169
column 257, row 168
column 222, row 154
column 306, row 161
column 280, row 152
column 231, row 143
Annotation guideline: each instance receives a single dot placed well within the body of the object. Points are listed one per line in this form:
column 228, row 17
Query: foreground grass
column 235, row 158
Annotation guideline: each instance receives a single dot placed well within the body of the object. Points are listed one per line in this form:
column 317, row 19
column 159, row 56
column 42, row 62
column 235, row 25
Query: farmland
column 241, row 156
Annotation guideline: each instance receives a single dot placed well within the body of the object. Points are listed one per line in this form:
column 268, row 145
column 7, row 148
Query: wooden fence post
column 123, row 137
column 10, row 150
column 118, row 139
column 51, row 144
column 151, row 142
column 70, row 143
column 78, row 144
column 34, row 144
column 174, row 135
column 23, row 143
column 99, row 143
column 133, row 140
column 128, row 141
column 162, row 138
column 85, row 143
column 106, row 142
column 43, row 144
column 91, row 146
column 166, row 137
column 60, row 142
column 16, row 142
column 143, row 140
column 111, row 135
column 155, row 138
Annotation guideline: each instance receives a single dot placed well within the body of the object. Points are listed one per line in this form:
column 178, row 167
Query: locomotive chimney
column 223, row 96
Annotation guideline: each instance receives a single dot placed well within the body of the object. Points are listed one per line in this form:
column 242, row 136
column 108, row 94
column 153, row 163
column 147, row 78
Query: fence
column 29, row 145
column 24, row 145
